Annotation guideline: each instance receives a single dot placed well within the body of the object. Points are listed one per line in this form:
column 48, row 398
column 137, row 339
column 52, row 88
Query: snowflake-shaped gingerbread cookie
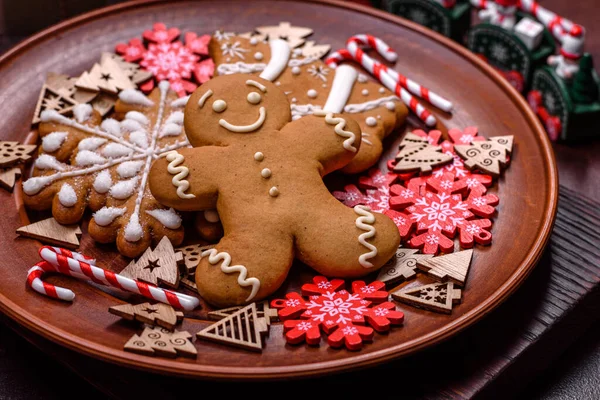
column 348, row 319
column 104, row 165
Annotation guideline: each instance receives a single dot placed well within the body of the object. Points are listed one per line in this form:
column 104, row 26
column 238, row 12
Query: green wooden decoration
column 451, row 22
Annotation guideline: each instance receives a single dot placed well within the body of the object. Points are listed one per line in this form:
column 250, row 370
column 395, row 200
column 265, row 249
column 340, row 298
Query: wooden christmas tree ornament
column 417, row 154
column 51, row 99
column 162, row 342
column 156, row 266
column 243, row 329
column 192, row 255
column 152, row 314
column 309, row 49
column 51, row 232
column 453, row 266
column 106, row 76
column 8, row 177
column 402, row 266
column 263, row 310
column 133, row 71
column 294, row 35
column 487, row 155
column 14, row 152
column 438, row 297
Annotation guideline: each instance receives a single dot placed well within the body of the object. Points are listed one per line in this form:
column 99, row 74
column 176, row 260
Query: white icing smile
column 262, row 115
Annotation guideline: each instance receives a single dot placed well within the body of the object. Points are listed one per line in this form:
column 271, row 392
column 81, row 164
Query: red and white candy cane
column 556, row 24
column 74, row 264
column 333, row 59
column 376, row 68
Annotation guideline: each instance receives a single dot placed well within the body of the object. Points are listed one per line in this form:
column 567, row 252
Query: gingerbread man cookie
column 264, row 174
column 310, row 85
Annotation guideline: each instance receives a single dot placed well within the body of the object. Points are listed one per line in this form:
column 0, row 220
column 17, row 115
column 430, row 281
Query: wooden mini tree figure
column 14, row 152
column 402, row 266
column 417, row 154
column 162, row 342
column 158, row 265
column 452, row 267
column 487, row 155
column 438, row 297
column 107, row 76
column 152, row 314
column 243, row 329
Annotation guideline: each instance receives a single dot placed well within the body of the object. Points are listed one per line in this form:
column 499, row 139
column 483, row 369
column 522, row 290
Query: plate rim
column 175, row 368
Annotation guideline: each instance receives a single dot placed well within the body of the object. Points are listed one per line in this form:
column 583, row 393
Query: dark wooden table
column 494, row 358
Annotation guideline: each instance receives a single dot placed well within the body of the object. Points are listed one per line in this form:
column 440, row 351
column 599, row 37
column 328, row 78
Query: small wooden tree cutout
column 14, row 152
column 62, row 84
column 263, row 310
column 438, row 297
column 106, row 76
column 191, row 256
column 162, row 342
column 453, row 266
column 133, row 71
column 292, row 34
column 243, row 329
column 51, row 232
column 487, row 155
column 8, row 177
column 50, row 99
column 152, row 314
column 156, row 266
column 402, row 266
column 315, row 51
column 417, row 154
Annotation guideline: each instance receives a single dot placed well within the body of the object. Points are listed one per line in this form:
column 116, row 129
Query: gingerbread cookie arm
column 331, row 139
column 184, row 179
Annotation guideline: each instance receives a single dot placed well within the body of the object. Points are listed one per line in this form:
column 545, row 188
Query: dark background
column 28, row 373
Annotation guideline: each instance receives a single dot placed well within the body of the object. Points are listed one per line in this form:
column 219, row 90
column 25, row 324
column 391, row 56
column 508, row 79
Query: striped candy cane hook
column 378, row 71
column 74, row 264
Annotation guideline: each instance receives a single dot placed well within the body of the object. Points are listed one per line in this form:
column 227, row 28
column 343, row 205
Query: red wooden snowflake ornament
column 341, row 315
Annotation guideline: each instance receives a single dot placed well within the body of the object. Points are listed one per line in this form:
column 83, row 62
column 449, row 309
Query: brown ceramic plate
column 528, row 189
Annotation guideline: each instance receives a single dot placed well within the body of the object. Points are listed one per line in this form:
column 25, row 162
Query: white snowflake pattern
column 432, row 239
column 292, row 303
column 479, row 201
column 446, row 184
column 349, row 330
column 399, row 221
column 499, row 52
column 472, row 182
column 324, row 285
column 473, row 229
column 220, row 35
column 368, row 289
column 335, row 308
column 126, row 148
column 233, row 50
column 381, row 312
column 304, row 326
column 319, row 72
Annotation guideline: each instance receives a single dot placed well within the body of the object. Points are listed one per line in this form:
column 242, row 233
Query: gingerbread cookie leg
column 355, row 242
column 244, row 267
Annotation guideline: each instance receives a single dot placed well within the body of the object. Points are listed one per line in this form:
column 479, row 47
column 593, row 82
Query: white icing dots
column 131, row 125
column 219, row 106
column 365, row 92
column 274, row 192
column 370, row 121
column 379, row 117
column 91, row 143
column 111, row 126
column 254, row 98
column 139, row 138
column 265, row 173
column 170, row 130
column 296, row 70
column 258, row 56
column 53, row 141
column 82, row 112
column 45, row 161
column 124, row 189
column 253, row 41
column 103, row 182
column 176, row 117
column 35, row 184
column 133, row 230
column 132, row 96
column 106, row 215
column 116, row 150
column 381, row 90
column 211, row 216
column 258, row 156
column 390, row 105
column 312, row 93
column 67, row 196
column 169, row 218
column 277, row 83
column 294, row 100
column 362, row 78
column 137, row 116
column 180, row 102
column 129, row 169
column 86, row 158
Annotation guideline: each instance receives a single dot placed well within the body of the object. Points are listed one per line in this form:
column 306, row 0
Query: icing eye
column 219, row 105
column 254, row 98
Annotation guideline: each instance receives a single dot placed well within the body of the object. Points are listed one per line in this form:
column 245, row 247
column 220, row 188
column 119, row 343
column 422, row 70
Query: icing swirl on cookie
column 214, row 257
column 180, row 172
column 365, row 222
column 340, row 124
